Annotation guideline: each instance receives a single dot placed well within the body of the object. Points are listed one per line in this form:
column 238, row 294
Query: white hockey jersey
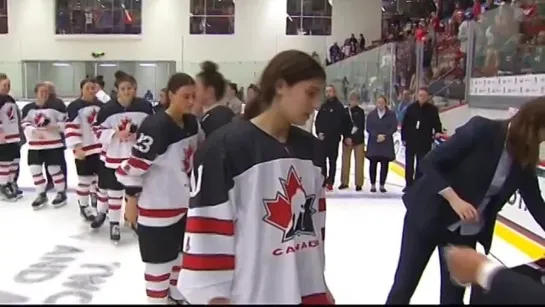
column 79, row 126
column 9, row 120
column 256, row 222
column 158, row 168
column 114, row 117
column 43, row 124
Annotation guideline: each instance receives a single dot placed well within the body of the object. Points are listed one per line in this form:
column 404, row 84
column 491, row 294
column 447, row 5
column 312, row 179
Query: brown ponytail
column 253, row 108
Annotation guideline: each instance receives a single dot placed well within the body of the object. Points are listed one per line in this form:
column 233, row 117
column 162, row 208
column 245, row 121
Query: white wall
column 259, row 34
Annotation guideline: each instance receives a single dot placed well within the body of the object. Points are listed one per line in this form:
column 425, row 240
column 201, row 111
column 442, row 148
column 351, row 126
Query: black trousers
column 415, row 253
column 373, row 163
column 331, row 151
column 411, row 156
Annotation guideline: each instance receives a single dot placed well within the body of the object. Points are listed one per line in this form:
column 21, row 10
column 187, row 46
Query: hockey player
column 256, row 221
column 43, row 122
column 82, row 114
column 116, row 126
column 210, row 91
column 9, row 146
column 157, row 185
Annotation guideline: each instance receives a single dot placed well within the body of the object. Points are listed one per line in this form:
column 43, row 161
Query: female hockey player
column 5, row 88
column 82, row 114
column 9, row 146
column 210, row 91
column 156, row 183
column 43, row 123
column 116, row 126
column 264, row 244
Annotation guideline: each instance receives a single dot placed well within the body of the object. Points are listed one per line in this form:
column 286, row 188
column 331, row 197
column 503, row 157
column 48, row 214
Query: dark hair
column 164, row 90
column 233, row 86
column 3, row 76
column 177, row 81
column 425, row 89
column 100, row 81
column 253, row 87
column 86, row 80
column 291, row 66
column 121, row 76
column 210, row 76
column 523, row 138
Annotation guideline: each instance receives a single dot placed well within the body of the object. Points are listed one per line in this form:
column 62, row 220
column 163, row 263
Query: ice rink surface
column 51, row 255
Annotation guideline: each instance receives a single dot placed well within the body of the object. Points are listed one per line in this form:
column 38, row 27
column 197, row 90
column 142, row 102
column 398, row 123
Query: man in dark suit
column 418, row 128
column 501, row 286
column 466, row 181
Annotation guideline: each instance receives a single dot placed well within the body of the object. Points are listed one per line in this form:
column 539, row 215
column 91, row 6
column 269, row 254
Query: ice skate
column 60, row 200
column 87, row 213
column 15, row 188
column 173, row 301
column 99, row 220
column 40, row 201
column 6, row 193
column 115, row 232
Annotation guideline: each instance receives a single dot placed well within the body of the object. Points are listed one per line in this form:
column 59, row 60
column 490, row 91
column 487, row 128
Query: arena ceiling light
column 147, row 65
column 61, row 64
column 107, row 65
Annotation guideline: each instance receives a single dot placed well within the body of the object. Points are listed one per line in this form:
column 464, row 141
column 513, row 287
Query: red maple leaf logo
column 11, row 113
column 91, row 118
column 280, row 211
column 188, row 156
column 40, row 120
column 124, row 124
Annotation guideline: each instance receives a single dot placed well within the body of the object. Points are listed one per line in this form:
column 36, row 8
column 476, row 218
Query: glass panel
column 370, row 73
column 212, row 17
column 65, row 75
column 294, row 7
column 308, row 17
column 32, row 77
column 3, row 16
column 99, row 17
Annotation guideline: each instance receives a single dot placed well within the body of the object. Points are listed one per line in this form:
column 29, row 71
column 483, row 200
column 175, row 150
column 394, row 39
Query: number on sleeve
column 143, row 143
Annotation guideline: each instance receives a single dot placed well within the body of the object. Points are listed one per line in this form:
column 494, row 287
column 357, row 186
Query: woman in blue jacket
column 466, row 181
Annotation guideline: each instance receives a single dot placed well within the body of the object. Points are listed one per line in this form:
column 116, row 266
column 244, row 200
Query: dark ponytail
column 253, row 108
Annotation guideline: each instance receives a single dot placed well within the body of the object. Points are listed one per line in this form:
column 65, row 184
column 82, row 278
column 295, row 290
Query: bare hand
column 381, row 138
column 465, row 210
column 348, row 141
column 464, row 263
column 321, row 136
column 79, row 153
column 131, row 210
column 123, row 134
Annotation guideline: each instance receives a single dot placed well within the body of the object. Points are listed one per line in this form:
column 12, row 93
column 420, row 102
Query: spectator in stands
column 335, row 53
column 353, row 41
column 329, row 128
column 354, row 141
column 347, row 49
column 381, row 126
column 420, row 126
column 148, row 96
column 231, row 99
column 362, row 42
column 163, row 101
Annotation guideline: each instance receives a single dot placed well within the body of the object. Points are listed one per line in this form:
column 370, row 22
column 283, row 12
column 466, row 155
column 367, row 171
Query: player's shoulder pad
column 4, row 99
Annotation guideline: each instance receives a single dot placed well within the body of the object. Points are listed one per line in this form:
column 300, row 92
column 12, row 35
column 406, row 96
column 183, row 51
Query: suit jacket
column 510, row 288
column 467, row 163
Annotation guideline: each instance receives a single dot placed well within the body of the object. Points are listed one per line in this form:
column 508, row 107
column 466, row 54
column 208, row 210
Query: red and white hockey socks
column 115, row 202
column 102, row 201
column 14, row 168
column 58, row 177
column 174, row 274
column 5, row 172
column 83, row 190
column 157, row 276
column 38, row 177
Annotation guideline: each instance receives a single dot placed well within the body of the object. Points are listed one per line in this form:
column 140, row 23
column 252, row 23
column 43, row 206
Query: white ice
column 362, row 246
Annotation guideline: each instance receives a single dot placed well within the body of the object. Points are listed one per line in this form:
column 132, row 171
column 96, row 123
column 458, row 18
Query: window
column 98, row 16
column 308, row 17
column 212, row 17
column 3, row 16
